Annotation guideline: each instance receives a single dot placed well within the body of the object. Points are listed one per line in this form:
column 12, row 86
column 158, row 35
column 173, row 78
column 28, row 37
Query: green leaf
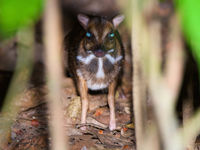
column 189, row 11
column 15, row 14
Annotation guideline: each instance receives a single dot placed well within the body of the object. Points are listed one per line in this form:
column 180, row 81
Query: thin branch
column 191, row 129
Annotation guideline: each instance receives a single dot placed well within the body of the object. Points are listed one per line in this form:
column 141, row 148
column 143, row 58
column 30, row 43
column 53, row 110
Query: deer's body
column 95, row 55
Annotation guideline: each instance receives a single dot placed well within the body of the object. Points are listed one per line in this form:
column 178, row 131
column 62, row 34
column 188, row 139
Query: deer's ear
column 117, row 20
column 84, row 20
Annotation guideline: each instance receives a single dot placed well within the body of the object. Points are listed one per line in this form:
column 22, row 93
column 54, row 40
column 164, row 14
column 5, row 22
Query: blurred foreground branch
column 53, row 41
column 139, row 84
column 163, row 86
column 25, row 39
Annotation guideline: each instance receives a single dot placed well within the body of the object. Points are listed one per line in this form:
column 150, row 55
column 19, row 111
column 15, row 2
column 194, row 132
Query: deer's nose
column 99, row 53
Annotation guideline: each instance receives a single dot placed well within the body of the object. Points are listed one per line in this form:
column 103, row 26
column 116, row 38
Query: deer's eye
column 88, row 34
column 111, row 35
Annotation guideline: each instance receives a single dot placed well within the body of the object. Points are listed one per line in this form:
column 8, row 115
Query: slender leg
column 84, row 98
column 111, row 103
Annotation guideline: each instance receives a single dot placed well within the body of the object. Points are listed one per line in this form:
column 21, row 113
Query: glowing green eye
column 111, row 35
column 88, row 34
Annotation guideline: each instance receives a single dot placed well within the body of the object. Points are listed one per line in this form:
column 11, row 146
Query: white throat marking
column 100, row 72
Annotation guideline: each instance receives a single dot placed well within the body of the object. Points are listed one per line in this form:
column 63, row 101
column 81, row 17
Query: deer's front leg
column 83, row 90
column 111, row 103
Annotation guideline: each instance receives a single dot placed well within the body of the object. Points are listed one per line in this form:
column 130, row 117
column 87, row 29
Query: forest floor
column 30, row 130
